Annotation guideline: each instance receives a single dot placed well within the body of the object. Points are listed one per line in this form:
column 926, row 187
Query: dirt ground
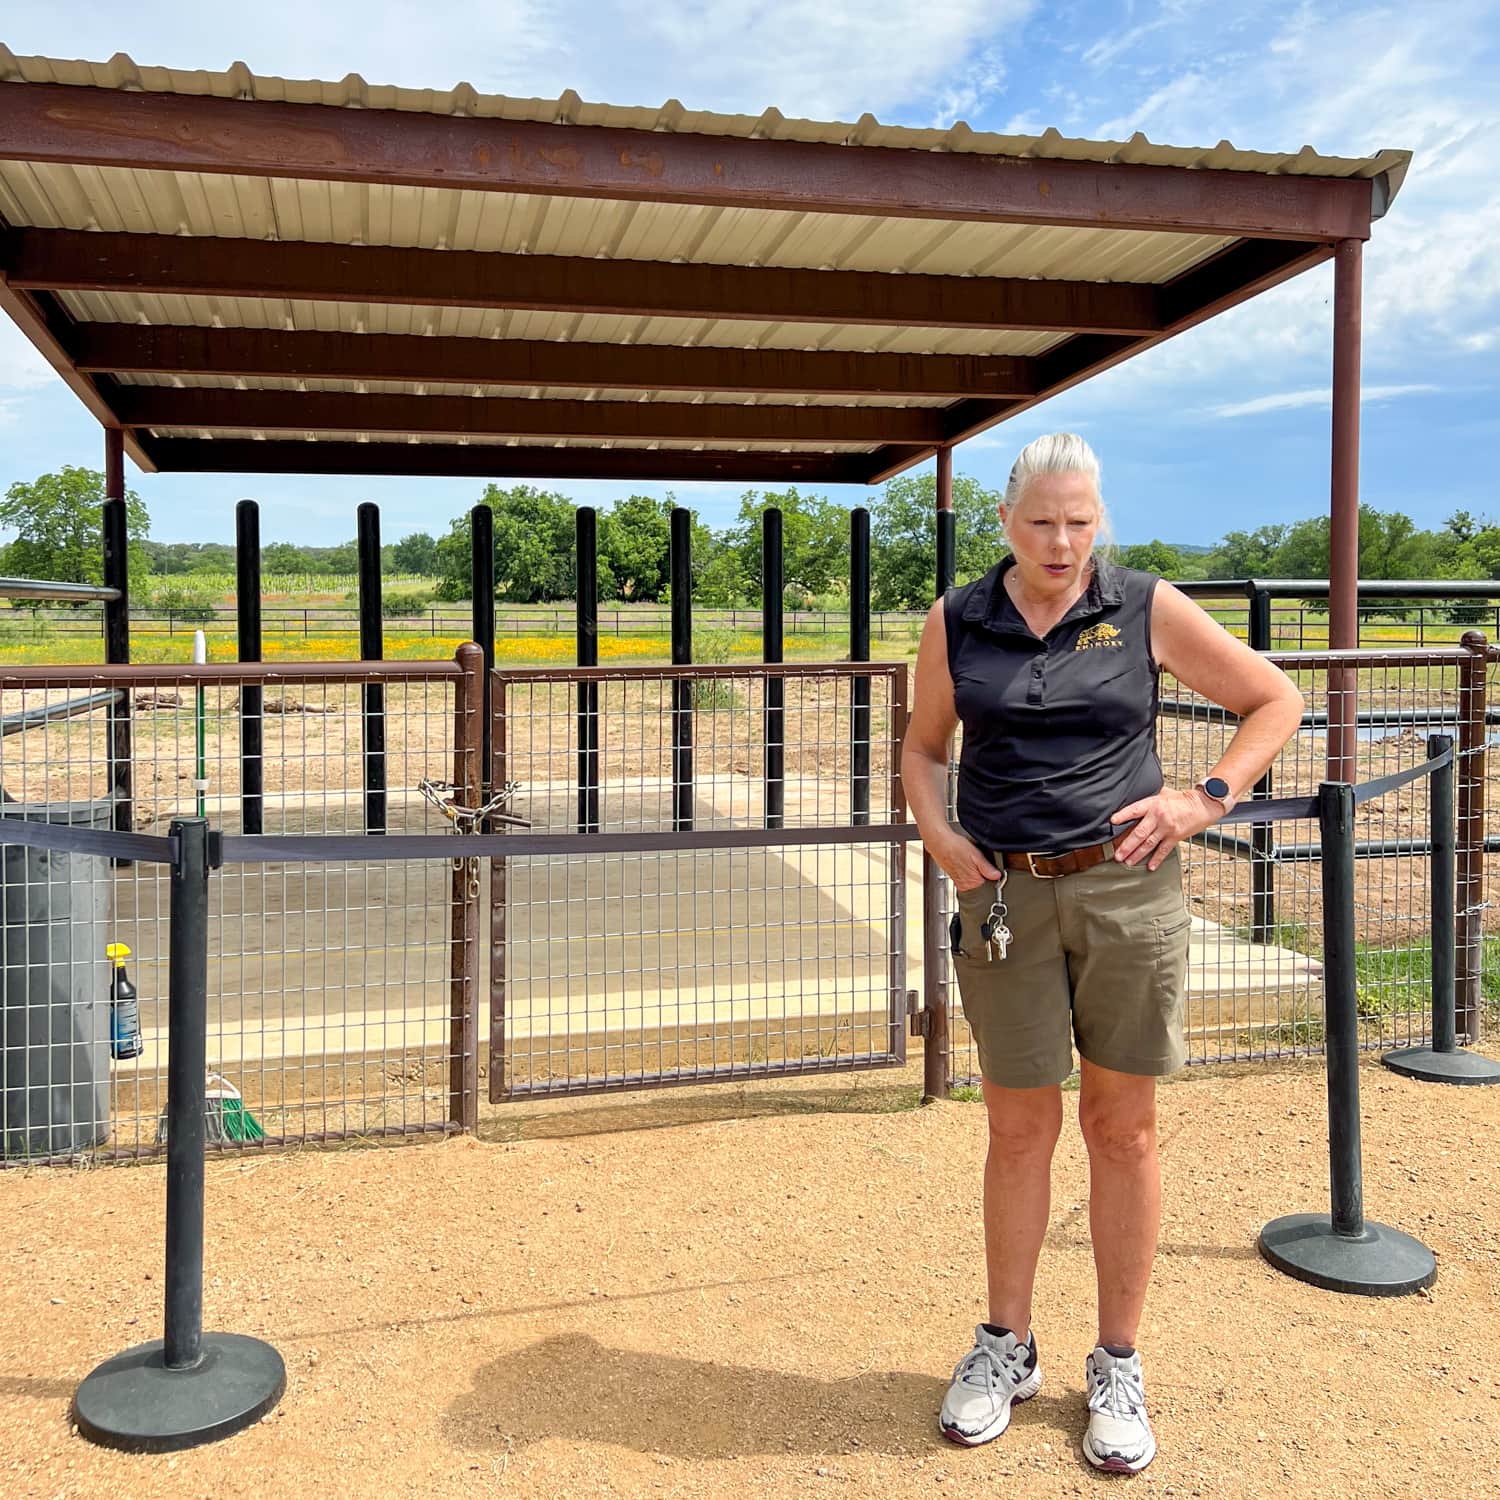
column 760, row 1291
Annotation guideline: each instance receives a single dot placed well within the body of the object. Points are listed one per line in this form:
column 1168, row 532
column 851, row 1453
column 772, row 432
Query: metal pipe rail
column 72, row 593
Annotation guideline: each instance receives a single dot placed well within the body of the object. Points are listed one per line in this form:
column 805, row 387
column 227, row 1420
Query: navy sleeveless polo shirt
column 1059, row 733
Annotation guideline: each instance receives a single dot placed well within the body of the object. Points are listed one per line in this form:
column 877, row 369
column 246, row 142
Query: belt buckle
column 1037, row 874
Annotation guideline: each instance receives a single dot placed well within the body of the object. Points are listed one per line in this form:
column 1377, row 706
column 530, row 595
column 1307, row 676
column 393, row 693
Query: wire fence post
column 859, row 650
column 247, row 600
column 186, row 1388
column 372, row 648
column 682, row 655
column 772, row 591
column 1473, row 694
column 116, row 568
column 463, row 1015
column 482, row 609
column 1342, row 1250
column 586, row 591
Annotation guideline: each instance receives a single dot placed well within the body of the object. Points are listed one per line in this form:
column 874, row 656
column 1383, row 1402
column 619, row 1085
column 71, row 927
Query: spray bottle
column 124, row 1008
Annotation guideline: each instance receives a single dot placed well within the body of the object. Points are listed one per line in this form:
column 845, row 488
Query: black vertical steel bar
column 1340, row 1015
column 682, row 655
column 1343, row 557
column 247, row 591
column 372, row 648
column 1444, row 839
column 586, row 529
column 1262, row 835
column 187, row 1071
column 936, row 1043
column 482, row 608
column 1473, row 695
column 859, row 650
column 772, row 593
column 116, row 546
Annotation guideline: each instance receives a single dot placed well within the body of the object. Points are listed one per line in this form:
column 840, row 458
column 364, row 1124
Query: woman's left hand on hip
column 1161, row 823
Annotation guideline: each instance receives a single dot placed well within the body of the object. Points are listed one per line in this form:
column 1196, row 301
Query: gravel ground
column 759, row 1292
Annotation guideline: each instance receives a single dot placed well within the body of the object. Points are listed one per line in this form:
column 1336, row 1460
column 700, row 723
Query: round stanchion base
column 1380, row 1262
column 136, row 1403
column 1443, row 1067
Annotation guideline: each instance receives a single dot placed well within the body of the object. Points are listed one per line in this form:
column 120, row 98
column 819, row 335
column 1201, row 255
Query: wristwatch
column 1216, row 789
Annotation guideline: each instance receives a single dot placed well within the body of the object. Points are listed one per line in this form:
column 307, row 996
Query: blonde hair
column 1058, row 453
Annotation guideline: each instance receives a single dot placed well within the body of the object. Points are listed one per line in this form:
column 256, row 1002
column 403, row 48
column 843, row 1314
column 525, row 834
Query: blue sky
column 1223, row 427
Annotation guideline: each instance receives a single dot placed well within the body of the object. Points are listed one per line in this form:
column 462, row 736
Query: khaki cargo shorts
column 1099, row 958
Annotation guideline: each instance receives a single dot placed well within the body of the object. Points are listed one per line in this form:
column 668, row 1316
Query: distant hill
column 1187, row 549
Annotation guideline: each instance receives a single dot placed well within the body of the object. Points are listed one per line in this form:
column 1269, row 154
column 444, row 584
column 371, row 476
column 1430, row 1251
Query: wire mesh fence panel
column 330, row 984
column 696, row 960
column 1254, row 891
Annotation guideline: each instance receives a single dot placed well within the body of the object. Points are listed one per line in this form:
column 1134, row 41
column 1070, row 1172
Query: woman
column 1071, row 927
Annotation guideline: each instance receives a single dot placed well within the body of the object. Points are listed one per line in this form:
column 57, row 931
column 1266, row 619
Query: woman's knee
column 1120, row 1132
column 1023, row 1121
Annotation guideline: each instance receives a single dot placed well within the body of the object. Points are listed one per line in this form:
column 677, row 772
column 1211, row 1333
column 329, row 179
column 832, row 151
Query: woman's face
column 1052, row 531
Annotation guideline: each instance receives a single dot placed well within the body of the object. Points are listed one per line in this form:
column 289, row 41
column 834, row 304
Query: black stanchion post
column 859, row 650
column 187, row 1388
column 682, row 655
column 937, row 1043
column 1442, row 1062
column 252, row 695
column 1342, row 1250
column 772, row 596
column 482, row 610
column 587, row 590
column 372, row 648
column 1262, row 835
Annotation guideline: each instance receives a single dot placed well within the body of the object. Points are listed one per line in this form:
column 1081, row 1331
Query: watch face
column 1216, row 786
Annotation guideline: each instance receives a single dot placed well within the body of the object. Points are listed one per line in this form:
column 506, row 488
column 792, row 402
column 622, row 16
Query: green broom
column 234, row 1121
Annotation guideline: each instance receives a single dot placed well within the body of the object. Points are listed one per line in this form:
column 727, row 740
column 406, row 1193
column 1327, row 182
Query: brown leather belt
column 1055, row 866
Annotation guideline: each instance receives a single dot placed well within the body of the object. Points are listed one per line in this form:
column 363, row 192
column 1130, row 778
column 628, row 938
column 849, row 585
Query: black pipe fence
column 252, row 698
column 773, row 591
column 372, row 648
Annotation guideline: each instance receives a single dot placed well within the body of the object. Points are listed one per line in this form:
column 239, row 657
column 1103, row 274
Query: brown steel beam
column 1234, row 276
column 163, row 264
column 496, row 461
column 468, row 416
column 262, row 138
column 50, row 331
column 439, row 360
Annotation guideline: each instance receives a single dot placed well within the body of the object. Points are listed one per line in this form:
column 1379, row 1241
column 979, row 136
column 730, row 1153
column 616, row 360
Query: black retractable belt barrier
column 1342, row 1250
column 1443, row 1062
column 187, row 1388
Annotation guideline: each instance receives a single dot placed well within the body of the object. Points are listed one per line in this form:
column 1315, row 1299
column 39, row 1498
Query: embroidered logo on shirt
column 1099, row 635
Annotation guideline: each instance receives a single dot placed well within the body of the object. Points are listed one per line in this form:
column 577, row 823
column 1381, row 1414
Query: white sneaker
column 1119, row 1439
column 997, row 1371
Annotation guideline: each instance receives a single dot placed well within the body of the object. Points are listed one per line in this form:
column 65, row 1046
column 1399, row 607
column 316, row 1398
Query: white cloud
column 21, row 367
column 1316, row 396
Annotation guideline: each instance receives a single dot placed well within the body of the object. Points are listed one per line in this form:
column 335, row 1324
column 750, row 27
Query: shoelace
column 993, row 1369
column 1118, row 1390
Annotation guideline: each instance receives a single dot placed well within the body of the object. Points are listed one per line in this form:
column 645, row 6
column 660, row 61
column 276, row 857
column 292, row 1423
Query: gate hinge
column 918, row 1020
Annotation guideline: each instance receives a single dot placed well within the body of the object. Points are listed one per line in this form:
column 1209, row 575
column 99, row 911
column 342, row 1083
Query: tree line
column 56, row 519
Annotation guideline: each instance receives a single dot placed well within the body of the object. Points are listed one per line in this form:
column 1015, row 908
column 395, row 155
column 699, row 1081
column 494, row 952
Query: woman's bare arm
column 924, row 760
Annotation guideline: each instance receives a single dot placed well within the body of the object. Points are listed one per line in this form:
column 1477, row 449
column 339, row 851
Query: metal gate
column 723, row 890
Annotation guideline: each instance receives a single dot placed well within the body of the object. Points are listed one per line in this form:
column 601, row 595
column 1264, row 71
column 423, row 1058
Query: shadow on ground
column 581, row 1391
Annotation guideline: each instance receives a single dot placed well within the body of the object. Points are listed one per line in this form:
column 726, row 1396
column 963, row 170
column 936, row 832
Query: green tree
column 814, row 540
column 1248, row 554
column 59, row 524
column 415, row 555
column 533, row 547
column 903, row 538
column 285, row 557
column 635, row 538
column 1153, row 557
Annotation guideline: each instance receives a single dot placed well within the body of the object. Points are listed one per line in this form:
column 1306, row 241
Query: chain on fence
column 683, row 964
column 331, row 985
column 1255, row 975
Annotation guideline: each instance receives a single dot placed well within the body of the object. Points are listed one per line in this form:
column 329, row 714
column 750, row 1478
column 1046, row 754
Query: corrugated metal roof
column 238, row 82
column 209, row 204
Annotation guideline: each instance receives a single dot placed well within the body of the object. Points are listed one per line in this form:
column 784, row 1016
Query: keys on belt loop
column 993, row 932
